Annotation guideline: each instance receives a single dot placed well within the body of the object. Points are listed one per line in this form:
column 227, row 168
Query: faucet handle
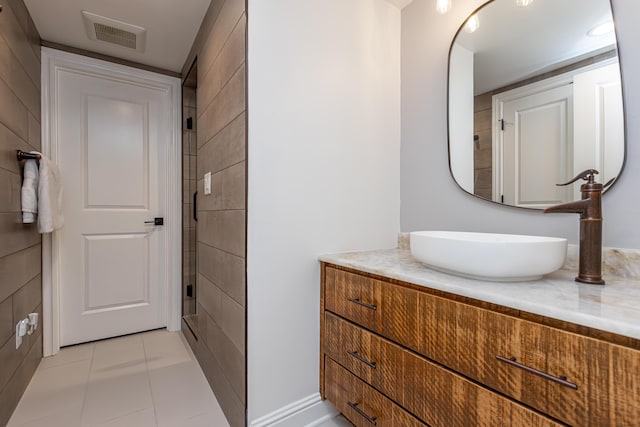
column 587, row 175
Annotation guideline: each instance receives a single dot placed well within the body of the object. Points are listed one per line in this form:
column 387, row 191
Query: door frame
column 54, row 61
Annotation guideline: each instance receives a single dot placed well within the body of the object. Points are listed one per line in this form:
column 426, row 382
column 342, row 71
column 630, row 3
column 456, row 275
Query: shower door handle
column 195, row 206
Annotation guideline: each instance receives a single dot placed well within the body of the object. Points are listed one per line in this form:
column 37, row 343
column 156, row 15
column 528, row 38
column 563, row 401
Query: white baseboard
column 310, row 411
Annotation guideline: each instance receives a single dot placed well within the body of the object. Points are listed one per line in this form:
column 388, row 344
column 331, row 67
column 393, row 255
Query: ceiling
column 514, row 43
column 400, row 4
column 171, row 26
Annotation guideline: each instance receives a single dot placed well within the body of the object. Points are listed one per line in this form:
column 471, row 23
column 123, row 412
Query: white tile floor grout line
column 86, row 384
column 146, row 362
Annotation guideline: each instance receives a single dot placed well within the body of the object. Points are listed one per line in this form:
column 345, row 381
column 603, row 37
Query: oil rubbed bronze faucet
column 590, row 210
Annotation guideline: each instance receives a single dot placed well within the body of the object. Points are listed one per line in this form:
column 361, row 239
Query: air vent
column 107, row 30
column 115, row 35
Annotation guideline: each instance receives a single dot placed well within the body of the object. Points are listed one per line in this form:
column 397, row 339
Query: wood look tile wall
column 483, row 151
column 20, row 245
column 221, row 252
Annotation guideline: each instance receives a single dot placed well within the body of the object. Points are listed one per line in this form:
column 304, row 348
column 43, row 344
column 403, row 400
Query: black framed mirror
column 535, row 97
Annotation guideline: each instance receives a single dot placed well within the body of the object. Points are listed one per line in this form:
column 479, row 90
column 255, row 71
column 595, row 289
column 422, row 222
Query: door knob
column 156, row 221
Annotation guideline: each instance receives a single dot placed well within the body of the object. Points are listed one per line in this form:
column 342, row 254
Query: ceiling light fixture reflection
column 601, row 30
column 472, row 24
column 524, row 3
column 443, row 6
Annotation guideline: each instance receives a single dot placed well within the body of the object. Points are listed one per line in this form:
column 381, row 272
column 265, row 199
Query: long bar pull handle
column 363, row 414
column 357, row 356
column 364, row 304
column 560, row 380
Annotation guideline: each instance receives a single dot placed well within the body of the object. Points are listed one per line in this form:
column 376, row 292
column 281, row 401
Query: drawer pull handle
column 560, row 380
column 364, row 415
column 356, row 355
column 364, row 304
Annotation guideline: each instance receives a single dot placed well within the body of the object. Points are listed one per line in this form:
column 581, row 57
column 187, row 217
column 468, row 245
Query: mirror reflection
column 535, row 98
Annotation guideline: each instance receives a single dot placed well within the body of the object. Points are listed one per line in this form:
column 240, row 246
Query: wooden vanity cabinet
column 450, row 362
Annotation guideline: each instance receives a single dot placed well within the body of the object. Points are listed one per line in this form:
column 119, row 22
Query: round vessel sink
column 488, row 256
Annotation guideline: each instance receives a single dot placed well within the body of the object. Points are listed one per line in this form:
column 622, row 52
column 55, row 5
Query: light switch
column 207, row 183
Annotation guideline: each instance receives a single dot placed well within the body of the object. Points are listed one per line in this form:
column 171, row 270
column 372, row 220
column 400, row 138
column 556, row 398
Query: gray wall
column 20, row 260
column 324, row 160
column 221, row 145
column 430, row 199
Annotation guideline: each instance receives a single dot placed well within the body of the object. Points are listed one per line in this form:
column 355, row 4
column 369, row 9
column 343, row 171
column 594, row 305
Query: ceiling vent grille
column 107, row 30
column 114, row 35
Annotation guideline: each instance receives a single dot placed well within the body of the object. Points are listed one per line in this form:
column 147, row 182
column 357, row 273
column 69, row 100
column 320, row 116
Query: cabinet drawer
column 579, row 380
column 480, row 344
column 434, row 394
column 381, row 307
column 360, row 403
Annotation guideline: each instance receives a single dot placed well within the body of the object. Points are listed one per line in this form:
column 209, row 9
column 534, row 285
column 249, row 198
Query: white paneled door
column 536, row 147
column 112, row 142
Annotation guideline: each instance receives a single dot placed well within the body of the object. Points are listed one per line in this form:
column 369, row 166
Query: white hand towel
column 49, row 197
column 29, row 192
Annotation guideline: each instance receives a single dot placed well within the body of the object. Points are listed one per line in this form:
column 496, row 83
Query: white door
column 536, row 148
column 112, row 142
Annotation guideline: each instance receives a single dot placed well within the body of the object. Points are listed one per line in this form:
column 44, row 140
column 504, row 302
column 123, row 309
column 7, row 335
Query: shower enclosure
column 189, row 191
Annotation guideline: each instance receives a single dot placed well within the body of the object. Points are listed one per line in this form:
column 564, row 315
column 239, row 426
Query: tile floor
column 145, row 380
column 148, row 379
column 339, row 421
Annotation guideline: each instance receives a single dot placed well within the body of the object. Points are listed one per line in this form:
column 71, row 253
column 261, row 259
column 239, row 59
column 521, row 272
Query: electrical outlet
column 18, row 336
column 32, row 322
column 21, row 330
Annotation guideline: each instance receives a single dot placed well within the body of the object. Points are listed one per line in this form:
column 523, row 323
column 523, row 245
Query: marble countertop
column 614, row 307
